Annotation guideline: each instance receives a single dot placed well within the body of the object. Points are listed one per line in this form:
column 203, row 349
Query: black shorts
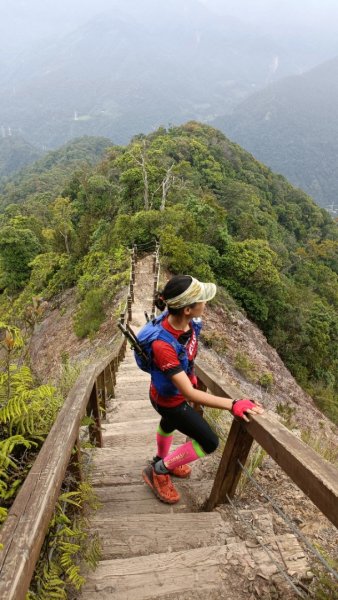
column 186, row 420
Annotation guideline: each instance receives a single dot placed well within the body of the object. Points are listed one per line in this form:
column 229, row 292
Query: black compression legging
column 186, row 420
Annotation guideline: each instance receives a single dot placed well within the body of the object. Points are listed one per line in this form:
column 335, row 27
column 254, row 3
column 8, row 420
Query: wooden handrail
column 24, row 530
column 317, row 478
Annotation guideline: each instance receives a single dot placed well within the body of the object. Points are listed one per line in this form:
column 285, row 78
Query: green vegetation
column 27, row 412
column 287, row 412
column 326, row 448
column 15, row 153
column 67, row 545
column 246, row 367
column 324, row 586
column 219, row 215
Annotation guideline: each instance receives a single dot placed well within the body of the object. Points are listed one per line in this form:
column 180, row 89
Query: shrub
column 287, row 413
column 90, row 314
column 214, row 340
column 246, row 367
column 266, row 380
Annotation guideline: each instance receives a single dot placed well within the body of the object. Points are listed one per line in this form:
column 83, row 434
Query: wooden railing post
column 130, row 316
column 109, row 381
column 131, row 287
column 74, row 466
column 101, row 386
column 93, row 410
column 229, row 471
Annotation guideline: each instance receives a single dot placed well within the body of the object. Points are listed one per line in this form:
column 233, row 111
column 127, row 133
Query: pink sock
column 183, row 454
column 163, row 442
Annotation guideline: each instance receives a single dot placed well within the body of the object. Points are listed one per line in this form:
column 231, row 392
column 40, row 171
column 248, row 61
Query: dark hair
column 174, row 287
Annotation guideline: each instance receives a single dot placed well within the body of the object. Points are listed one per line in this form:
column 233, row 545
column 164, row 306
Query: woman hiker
column 173, row 385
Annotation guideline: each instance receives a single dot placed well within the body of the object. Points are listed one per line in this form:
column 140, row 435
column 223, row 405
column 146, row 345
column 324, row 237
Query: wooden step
column 132, row 378
column 113, row 466
column 118, row 466
column 211, row 573
column 158, row 575
column 138, row 499
column 139, row 535
column 133, row 392
column 130, row 410
column 126, row 435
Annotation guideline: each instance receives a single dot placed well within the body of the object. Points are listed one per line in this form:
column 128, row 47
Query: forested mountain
column 15, row 153
column 292, row 126
column 120, row 73
column 218, row 213
column 47, row 176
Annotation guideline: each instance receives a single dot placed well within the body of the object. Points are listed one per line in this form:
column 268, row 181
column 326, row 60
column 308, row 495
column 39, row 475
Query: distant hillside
column 133, row 69
column 219, row 214
column 292, row 126
column 47, row 176
column 15, row 153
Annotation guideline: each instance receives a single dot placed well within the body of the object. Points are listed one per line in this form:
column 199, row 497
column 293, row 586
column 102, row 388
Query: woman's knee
column 211, row 444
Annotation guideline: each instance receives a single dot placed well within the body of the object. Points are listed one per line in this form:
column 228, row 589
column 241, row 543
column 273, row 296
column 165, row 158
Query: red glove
column 239, row 407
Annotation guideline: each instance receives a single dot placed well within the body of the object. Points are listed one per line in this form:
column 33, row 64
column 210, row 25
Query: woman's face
column 195, row 311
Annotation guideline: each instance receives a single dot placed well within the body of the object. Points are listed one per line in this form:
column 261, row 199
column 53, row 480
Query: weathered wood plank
column 138, row 499
column 317, row 478
column 157, row 575
column 130, row 411
column 236, row 449
column 24, row 530
column 131, row 377
column 132, row 395
column 139, row 535
column 126, row 435
column 198, row 572
column 110, row 466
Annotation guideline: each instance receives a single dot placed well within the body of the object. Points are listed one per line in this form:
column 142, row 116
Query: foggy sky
column 30, row 18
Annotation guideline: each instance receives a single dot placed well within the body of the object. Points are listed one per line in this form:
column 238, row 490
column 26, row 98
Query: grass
column 326, row 448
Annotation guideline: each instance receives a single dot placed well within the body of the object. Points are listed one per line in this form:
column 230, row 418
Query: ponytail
column 159, row 301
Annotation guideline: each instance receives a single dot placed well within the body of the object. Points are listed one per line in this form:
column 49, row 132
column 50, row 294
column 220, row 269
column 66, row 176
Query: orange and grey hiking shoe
column 161, row 485
column 182, row 471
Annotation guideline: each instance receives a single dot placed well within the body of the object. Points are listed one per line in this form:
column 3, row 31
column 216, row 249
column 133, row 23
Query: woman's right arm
column 183, row 384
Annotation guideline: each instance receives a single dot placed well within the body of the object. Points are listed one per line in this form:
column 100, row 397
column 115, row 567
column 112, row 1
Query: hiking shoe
column 161, row 485
column 182, row 472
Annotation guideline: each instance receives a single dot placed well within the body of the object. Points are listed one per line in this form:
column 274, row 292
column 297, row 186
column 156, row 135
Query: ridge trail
column 152, row 550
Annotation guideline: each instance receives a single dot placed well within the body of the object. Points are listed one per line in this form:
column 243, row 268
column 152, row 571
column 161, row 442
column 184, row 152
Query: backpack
column 152, row 331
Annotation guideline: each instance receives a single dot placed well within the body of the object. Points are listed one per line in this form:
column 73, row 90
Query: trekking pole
column 129, row 334
column 146, row 316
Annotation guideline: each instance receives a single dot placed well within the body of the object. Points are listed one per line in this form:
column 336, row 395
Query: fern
column 27, row 413
column 67, row 545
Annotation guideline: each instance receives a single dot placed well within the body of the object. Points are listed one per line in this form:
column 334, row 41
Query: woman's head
column 183, row 291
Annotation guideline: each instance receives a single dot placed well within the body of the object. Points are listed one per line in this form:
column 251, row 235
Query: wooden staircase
column 151, row 550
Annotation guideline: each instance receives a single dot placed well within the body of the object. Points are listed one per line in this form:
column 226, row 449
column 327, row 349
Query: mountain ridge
column 292, row 126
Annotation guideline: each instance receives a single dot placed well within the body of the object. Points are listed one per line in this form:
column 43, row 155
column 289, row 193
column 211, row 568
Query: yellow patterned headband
column 196, row 292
